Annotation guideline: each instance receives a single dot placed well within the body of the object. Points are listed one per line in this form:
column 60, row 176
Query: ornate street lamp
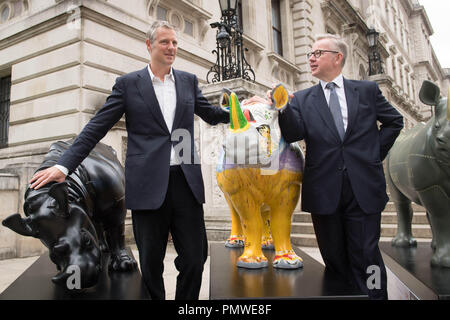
column 228, row 7
column 375, row 63
column 230, row 59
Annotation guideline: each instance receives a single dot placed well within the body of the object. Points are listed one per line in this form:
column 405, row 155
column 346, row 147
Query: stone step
column 390, row 207
column 418, row 230
column 387, row 230
column 386, row 217
column 217, row 234
column 303, row 240
column 391, row 217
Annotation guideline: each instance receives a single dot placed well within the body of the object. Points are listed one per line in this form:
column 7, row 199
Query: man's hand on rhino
column 41, row 178
column 268, row 100
column 256, row 99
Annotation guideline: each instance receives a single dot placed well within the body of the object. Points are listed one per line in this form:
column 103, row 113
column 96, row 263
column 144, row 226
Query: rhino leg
column 405, row 213
column 282, row 206
column 236, row 238
column 120, row 259
column 252, row 224
column 433, row 242
column 267, row 240
column 437, row 203
column 404, row 236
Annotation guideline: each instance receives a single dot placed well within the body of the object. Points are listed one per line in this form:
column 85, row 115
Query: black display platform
column 35, row 284
column 227, row 281
column 412, row 267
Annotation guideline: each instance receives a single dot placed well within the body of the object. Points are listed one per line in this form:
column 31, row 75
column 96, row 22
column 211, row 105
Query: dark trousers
column 348, row 241
column 183, row 216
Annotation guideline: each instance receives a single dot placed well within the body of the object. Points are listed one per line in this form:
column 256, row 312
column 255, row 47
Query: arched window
column 12, row 9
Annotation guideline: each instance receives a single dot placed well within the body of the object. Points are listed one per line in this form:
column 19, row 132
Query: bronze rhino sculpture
column 80, row 217
column 418, row 169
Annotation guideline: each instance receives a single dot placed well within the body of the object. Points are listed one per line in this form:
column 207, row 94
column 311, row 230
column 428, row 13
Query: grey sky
column 438, row 12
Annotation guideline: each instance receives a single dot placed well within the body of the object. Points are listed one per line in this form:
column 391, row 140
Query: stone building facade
column 60, row 58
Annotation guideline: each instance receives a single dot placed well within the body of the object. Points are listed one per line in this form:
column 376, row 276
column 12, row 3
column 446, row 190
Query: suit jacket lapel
column 352, row 97
column 180, row 85
column 321, row 106
column 145, row 86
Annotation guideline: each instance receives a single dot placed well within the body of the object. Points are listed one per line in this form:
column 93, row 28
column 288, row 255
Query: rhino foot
column 433, row 244
column 404, row 241
column 234, row 242
column 252, row 262
column 267, row 246
column 121, row 261
column 441, row 258
column 287, row 261
column 267, row 243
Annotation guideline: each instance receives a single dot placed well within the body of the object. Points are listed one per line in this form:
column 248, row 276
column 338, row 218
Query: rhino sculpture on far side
column 418, row 169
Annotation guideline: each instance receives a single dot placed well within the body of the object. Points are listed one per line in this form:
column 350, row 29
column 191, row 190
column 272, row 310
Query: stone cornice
column 420, row 11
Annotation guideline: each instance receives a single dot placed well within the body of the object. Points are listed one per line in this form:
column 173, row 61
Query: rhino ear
column 17, row 224
column 280, row 97
column 59, row 191
column 429, row 93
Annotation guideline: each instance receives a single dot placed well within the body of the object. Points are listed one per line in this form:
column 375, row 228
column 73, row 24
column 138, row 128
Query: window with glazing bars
column 5, row 88
column 276, row 28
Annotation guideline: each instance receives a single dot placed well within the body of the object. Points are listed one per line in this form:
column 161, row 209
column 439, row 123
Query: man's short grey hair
column 338, row 42
column 151, row 33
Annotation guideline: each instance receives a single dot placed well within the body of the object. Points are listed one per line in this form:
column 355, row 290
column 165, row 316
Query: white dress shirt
column 339, row 81
column 166, row 95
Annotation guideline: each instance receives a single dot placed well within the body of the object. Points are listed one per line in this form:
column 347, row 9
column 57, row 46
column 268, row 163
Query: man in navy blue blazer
column 343, row 185
column 164, row 188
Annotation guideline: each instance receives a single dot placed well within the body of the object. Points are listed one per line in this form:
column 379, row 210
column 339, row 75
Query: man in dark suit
column 343, row 185
column 164, row 188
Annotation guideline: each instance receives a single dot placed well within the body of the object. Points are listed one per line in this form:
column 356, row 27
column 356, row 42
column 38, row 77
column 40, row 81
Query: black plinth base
column 412, row 266
column 35, row 284
column 227, row 281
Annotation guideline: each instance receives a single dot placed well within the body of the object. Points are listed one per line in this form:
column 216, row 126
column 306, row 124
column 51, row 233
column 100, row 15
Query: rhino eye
column 61, row 248
column 437, row 125
column 52, row 204
column 86, row 240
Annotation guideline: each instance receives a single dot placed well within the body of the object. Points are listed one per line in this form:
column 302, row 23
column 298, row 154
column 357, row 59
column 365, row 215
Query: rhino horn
column 61, row 278
column 238, row 122
column 22, row 226
column 59, row 191
column 225, row 98
column 429, row 93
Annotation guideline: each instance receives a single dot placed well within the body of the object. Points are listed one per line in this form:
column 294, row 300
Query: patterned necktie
column 335, row 109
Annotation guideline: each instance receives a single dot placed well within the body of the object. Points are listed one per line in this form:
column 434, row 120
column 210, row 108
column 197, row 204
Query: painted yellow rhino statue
column 260, row 176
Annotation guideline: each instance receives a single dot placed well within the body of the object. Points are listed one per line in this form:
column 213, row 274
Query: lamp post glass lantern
column 372, row 37
column 375, row 63
column 230, row 58
column 228, row 7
